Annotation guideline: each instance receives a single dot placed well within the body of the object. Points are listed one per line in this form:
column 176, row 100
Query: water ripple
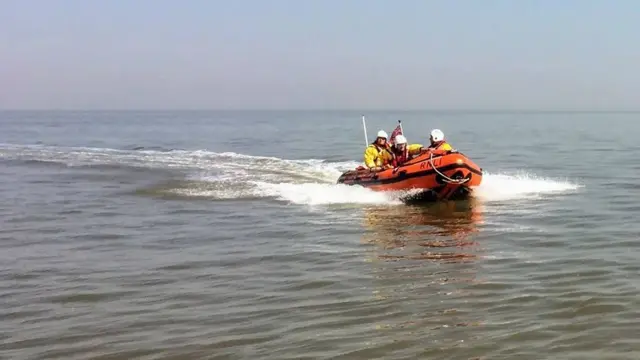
column 129, row 249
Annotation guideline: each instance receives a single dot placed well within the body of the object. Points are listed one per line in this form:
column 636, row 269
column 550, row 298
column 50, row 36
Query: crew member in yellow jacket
column 377, row 156
column 438, row 142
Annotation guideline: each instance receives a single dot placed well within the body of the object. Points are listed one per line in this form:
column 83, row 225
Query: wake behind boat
column 443, row 175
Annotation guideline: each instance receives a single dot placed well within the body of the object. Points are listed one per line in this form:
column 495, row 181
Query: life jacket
column 379, row 158
column 400, row 158
column 440, row 146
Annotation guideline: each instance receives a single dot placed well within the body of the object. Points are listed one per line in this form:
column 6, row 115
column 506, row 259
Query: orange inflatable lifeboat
column 446, row 175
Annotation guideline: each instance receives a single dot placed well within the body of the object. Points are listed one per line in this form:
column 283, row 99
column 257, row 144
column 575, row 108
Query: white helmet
column 382, row 134
column 400, row 139
column 437, row 135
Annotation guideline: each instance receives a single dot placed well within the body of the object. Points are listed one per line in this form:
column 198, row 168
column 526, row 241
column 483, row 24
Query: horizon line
column 361, row 111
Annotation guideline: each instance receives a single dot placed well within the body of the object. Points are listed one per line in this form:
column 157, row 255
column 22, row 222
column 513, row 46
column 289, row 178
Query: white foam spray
column 231, row 175
column 503, row 187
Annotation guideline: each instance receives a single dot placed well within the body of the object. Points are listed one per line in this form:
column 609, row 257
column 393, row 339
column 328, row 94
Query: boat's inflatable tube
column 447, row 174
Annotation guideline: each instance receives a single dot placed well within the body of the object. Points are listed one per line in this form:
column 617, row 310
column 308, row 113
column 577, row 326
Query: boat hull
column 449, row 175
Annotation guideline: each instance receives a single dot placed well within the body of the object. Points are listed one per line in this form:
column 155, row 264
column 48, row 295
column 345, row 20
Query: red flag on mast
column 397, row 131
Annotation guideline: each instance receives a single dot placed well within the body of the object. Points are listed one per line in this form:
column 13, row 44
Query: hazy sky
column 402, row 54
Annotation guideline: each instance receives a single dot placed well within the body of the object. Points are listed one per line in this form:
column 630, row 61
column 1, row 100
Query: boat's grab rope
column 445, row 177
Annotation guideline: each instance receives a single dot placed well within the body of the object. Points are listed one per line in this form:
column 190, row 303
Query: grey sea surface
column 222, row 235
